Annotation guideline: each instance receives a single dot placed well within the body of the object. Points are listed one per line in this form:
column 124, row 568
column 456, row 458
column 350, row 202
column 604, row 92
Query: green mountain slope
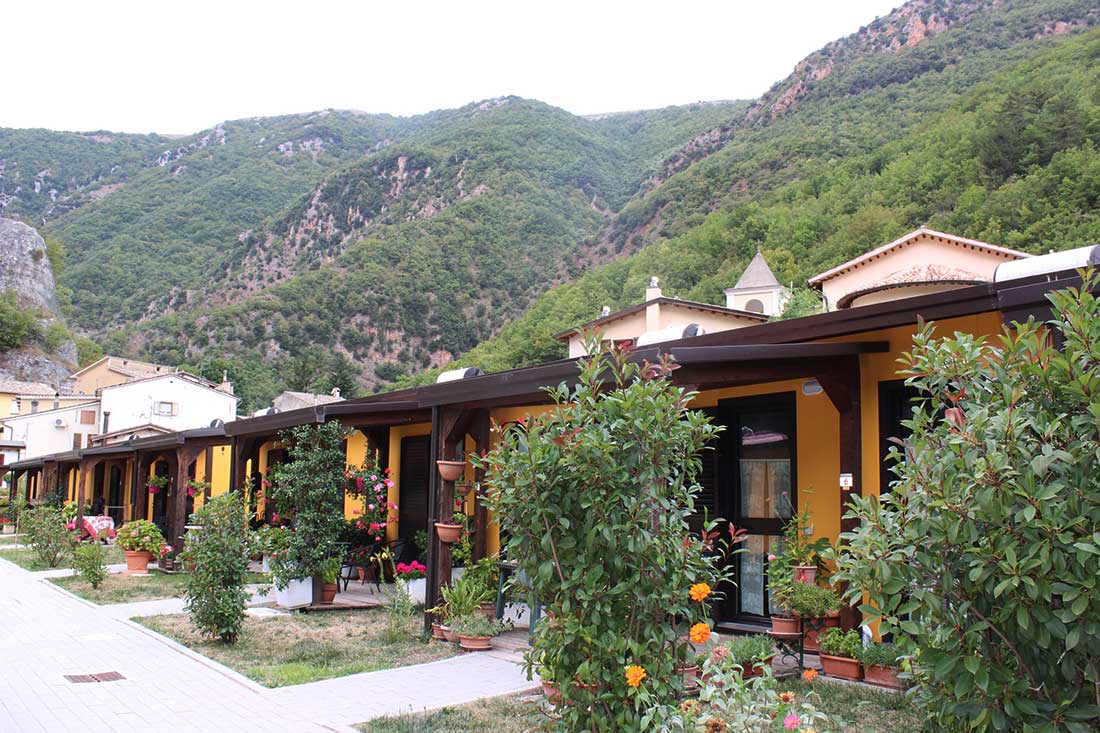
column 1000, row 145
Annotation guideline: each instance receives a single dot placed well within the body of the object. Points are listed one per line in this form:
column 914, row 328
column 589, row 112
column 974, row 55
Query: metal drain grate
column 100, row 677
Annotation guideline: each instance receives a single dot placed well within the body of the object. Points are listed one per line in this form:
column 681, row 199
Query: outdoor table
column 506, row 569
column 94, row 527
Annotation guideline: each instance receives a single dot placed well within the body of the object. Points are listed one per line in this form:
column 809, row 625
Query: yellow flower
column 786, row 697
column 699, row 633
column 699, row 591
column 809, row 675
column 635, row 675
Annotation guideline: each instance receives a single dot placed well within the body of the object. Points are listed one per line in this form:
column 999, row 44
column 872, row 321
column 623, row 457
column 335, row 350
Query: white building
column 140, row 408
column 757, row 291
column 53, row 431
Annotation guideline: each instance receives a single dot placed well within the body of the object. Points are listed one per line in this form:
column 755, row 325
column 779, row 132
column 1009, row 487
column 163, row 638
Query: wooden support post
column 208, row 473
column 479, row 429
column 843, row 388
column 177, row 511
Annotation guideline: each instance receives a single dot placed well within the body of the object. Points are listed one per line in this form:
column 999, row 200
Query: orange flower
column 699, row 591
column 809, row 675
column 699, row 633
column 635, row 675
column 787, row 697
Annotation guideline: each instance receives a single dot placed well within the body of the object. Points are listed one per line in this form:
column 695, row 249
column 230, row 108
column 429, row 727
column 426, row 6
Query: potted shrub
column 414, row 575
column 880, row 666
column 475, row 632
column 460, row 599
column 6, row 526
column 840, row 653
column 750, row 653
column 484, row 575
column 817, row 603
column 157, row 483
column 780, row 590
column 330, row 573
column 140, row 541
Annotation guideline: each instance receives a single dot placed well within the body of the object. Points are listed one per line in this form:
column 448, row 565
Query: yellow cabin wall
column 500, row 416
column 396, row 434
column 356, row 456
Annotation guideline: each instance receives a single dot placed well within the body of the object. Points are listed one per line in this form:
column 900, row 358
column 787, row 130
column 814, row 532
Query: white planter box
column 266, row 567
column 297, row 593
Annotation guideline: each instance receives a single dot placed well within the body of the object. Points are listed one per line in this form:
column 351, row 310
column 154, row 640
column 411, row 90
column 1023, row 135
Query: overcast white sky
column 180, row 67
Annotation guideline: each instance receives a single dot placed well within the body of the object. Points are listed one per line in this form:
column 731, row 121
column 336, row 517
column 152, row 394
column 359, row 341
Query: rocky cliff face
column 26, row 271
column 25, row 268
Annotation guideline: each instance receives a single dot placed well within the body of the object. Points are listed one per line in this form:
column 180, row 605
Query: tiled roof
column 14, row 386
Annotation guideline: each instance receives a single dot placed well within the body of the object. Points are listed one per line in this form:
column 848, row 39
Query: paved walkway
column 46, row 633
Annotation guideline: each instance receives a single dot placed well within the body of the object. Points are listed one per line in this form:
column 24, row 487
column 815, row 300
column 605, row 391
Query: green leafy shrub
column 18, row 325
column 812, row 601
column 984, row 554
column 841, row 643
column 728, row 702
column 595, row 494
column 882, row 655
column 48, row 536
column 141, row 535
column 219, row 555
column 89, row 563
column 746, row 650
column 462, row 597
column 477, row 624
column 312, row 484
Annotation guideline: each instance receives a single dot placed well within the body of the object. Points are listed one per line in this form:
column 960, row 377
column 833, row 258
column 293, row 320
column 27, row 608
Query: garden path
column 48, row 633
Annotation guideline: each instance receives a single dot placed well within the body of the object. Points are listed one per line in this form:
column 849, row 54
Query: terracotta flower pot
column 451, row 470
column 842, row 667
column 785, row 625
column 448, row 533
column 362, row 572
column 552, row 691
column 881, row 676
column 448, row 634
column 328, row 592
column 690, row 674
column 488, row 609
column 475, row 643
column 137, row 563
column 810, row 642
column 756, row 670
column 437, row 632
column 805, row 574
column 462, row 489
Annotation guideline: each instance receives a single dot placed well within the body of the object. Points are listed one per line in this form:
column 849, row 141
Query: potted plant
column 461, row 599
column 484, row 575
column 6, row 526
column 330, row 573
column 840, row 653
column 140, row 541
column 817, row 604
column 448, row 532
column 750, row 653
column 197, row 488
column 462, row 488
column 880, row 666
column 157, row 483
column 475, row 632
column 414, row 575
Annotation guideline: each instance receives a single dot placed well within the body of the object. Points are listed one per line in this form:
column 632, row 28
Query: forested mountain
column 265, row 246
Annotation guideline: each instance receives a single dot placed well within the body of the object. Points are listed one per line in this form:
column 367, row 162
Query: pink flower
column 374, row 526
column 378, row 487
column 373, row 477
column 359, row 483
column 771, row 558
column 275, row 517
column 388, row 483
column 791, row 722
column 370, row 506
column 377, row 538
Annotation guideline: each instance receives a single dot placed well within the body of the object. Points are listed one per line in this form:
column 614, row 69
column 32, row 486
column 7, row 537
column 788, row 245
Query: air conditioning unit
column 58, row 423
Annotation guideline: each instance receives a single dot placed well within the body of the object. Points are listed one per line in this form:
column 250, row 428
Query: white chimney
column 653, row 290
column 605, row 311
column 226, row 386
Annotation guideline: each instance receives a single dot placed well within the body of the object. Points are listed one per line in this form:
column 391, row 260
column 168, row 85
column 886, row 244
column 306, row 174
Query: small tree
column 218, row 553
column 310, row 489
column 89, row 563
column 595, row 496
column 50, row 539
column 986, row 552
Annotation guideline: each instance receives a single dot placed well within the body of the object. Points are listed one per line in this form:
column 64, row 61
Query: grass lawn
column 500, row 715
column 853, row 709
column 9, row 539
column 305, row 647
column 131, row 588
column 26, row 559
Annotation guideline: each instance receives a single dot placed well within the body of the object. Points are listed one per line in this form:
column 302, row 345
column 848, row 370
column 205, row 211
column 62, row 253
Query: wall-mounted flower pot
column 448, row 533
column 451, row 470
column 462, row 489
